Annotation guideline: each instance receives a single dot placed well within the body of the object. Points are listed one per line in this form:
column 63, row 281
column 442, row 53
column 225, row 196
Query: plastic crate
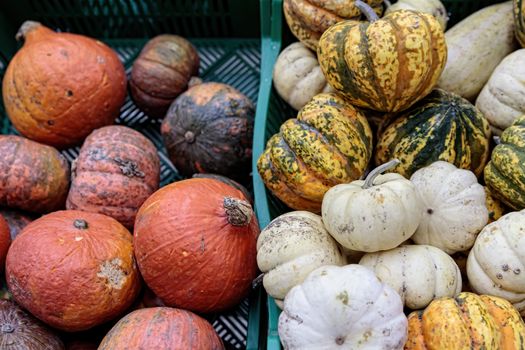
column 227, row 36
column 272, row 111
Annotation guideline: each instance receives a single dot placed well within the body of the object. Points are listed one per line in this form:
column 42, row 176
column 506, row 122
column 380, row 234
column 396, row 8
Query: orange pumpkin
column 16, row 220
column 5, row 241
column 73, row 270
column 195, row 243
column 60, row 86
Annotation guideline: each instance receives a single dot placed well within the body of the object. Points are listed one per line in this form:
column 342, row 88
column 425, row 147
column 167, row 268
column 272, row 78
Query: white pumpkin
column 502, row 99
column 342, row 308
column 418, row 273
column 376, row 214
column 433, row 7
column 290, row 247
column 496, row 263
column 297, row 76
column 454, row 207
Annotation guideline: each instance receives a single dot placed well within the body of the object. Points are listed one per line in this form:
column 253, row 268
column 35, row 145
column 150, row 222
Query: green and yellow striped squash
column 386, row 65
column 442, row 126
column 519, row 20
column 329, row 143
column 505, row 173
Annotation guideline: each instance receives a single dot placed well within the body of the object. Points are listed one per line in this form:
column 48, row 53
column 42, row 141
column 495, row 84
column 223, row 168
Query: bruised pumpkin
column 61, row 86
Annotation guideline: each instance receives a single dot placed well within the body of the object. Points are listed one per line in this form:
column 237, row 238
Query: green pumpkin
column 519, row 20
column 442, row 126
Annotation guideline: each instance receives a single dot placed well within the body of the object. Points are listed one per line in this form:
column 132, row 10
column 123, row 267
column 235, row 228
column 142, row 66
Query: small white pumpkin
column 290, row 247
column 418, row 273
column 376, row 214
column 454, row 207
column 342, row 308
column 502, row 99
column 433, row 7
column 297, row 76
column 496, row 263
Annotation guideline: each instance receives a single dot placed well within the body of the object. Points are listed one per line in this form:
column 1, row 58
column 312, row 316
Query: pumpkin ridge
column 313, row 17
column 136, row 86
column 493, row 176
column 402, row 70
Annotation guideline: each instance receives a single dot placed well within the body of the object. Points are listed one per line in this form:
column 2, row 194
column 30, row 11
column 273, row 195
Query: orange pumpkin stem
column 194, row 81
column 239, row 212
column 26, row 28
column 367, row 11
column 81, row 224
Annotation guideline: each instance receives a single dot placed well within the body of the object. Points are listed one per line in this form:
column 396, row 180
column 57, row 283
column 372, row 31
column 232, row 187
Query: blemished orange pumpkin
column 195, row 243
column 73, row 270
column 162, row 328
column 61, row 86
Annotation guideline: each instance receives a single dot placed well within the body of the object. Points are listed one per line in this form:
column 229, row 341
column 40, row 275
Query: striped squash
column 442, row 126
column 504, row 174
column 519, row 20
column 330, row 142
column 494, row 206
column 466, row 322
column 386, row 65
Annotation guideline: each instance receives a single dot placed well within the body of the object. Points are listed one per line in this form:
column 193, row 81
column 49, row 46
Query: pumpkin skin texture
column 161, row 328
column 466, row 322
column 21, row 331
column 49, row 99
column 454, row 207
column 177, row 234
column 377, row 214
column 433, row 7
column 418, row 273
column 496, row 262
column 387, row 65
column 442, row 126
column 33, row 177
column 519, row 20
column 5, row 241
column 116, row 171
column 162, row 72
column 209, row 129
column 16, row 220
column 55, row 257
column 329, row 143
column 345, row 308
column 290, row 247
column 227, row 181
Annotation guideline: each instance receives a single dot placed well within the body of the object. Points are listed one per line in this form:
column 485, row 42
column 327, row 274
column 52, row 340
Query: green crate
column 227, row 36
column 272, row 111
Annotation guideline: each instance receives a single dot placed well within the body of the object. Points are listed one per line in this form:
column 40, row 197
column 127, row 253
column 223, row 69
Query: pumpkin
column 468, row 321
column 329, row 143
column 61, row 86
column 308, row 19
column 21, row 331
column 519, row 20
column 386, row 65
column 442, row 126
column 290, row 247
column 209, row 128
column 162, row 72
column 162, row 328
column 16, row 220
column 418, row 273
column 342, row 307
column 503, row 173
column 496, row 263
column 117, row 169
column 5, row 241
column 494, row 206
column 376, row 214
column 433, row 7
column 476, row 45
column 73, row 270
column 227, row 181
column 195, row 243
column 297, row 76
column 501, row 100
column 33, row 176
column 454, row 207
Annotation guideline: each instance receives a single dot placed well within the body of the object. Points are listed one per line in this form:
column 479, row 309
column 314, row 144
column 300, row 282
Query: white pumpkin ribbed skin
column 433, row 7
column 454, row 207
column 369, row 220
column 342, row 308
column 290, row 247
column 496, row 263
column 297, row 76
column 418, row 273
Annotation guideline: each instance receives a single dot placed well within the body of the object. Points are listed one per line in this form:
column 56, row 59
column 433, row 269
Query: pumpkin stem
column 369, row 181
column 387, row 3
column 497, row 139
column 239, row 212
column 367, row 11
column 81, row 224
column 194, row 81
column 257, row 280
column 25, row 28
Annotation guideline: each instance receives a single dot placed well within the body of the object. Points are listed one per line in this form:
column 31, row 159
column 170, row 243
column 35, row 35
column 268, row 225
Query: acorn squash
column 519, row 21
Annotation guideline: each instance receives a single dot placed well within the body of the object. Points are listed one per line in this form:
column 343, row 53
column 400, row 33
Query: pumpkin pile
column 411, row 236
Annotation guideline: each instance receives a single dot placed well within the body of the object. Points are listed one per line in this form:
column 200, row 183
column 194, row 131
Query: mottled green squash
column 519, row 21
column 442, row 126
column 329, row 143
